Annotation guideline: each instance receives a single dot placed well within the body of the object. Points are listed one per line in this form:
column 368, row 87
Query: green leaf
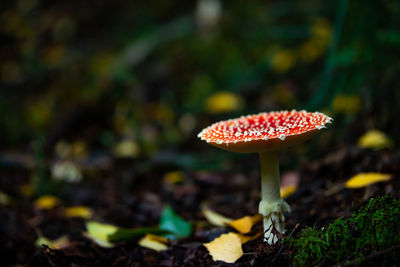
column 104, row 234
column 172, row 222
column 127, row 234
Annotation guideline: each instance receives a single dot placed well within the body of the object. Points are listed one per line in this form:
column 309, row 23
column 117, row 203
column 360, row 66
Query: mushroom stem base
column 274, row 219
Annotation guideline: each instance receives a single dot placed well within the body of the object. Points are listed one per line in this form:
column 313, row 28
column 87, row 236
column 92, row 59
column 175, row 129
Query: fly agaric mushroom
column 266, row 133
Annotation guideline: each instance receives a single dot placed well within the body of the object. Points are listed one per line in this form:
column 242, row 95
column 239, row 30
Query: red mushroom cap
column 264, row 131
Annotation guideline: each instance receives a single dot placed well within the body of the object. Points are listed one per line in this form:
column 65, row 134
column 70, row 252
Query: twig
column 283, row 246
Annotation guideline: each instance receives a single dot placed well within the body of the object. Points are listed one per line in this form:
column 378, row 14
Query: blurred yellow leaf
column 226, row 248
column 79, row 211
column 244, row 224
column 347, row 104
column 99, row 233
column 374, row 139
column 126, row 149
column 321, row 30
column 365, row 179
column 154, row 242
column 289, row 183
column 283, row 60
column 313, row 48
column 26, row 190
column 310, row 50
column 79, row 149
column 174, row 177
column 214, row 217
column 288, row 190
column 59, row 243
column 161, row 112
column 47, row 202
column 221, row 102
column 4, row 198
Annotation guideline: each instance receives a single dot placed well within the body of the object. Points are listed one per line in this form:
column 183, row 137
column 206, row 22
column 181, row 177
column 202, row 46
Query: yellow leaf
column 222, row 102
column 126, row 149
column 226, row 248
column 214, row 217
column 4, row 199
column 347, row 104
column 246, row 238
column 79, row 149
column 288, row 190
column 174, row 177
column 59, row 243
column 244, row 224
column 154, row 242
column 374, row 139
column 283, row 60
column 79, row 211
column 99, row 233
column 321, row 30
column 47, row 202
column 364, row 179
column 26, row 190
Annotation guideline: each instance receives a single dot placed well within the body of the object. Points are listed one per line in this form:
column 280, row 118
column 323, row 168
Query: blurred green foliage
column 144, row 71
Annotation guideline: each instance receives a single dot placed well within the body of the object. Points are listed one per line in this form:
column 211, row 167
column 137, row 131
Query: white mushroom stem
column 272, row 206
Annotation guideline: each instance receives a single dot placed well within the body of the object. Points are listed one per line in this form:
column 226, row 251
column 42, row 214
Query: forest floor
column 126, row 194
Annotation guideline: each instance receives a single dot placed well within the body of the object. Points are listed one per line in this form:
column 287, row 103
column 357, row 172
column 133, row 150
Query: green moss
column 373, row 227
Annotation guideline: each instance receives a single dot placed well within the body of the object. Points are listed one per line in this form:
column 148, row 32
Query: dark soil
column 123, row 195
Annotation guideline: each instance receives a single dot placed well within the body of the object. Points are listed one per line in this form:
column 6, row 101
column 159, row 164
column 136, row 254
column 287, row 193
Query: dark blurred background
column 136, row 78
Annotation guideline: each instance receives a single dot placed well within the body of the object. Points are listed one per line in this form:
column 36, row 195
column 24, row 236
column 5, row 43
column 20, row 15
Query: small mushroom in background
column 266, row 134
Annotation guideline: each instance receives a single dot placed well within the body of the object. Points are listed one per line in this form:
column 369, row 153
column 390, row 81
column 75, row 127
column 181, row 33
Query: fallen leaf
column 244, row 224
column 128, row 234
column 174, row 177
column 59, row 243
column 100, row 232
column 374, row 139
column 283, row 60
column 365, row 179
column 287, row 191
column 26, row 190
column 154, row 242
column 79, row 211
column 4, row 199
column 47, row 202
column 289, row 183
column 126, row 149
column 214, row 217
column 226, row 248
column 172, row 222
column 222, row 102
column 246, row 238
column 347, row 104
